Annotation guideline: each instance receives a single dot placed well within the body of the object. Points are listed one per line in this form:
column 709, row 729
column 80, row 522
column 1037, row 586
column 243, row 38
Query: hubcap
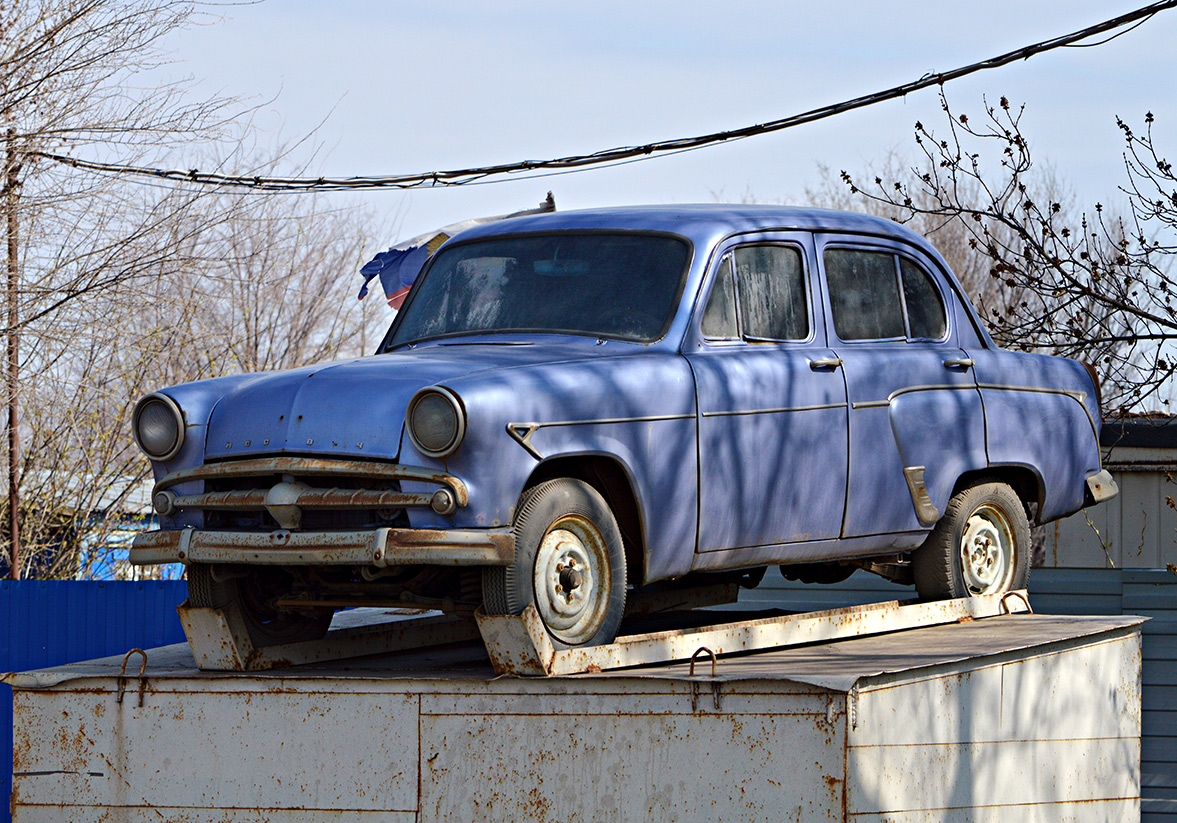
column 572, row 579
column 987, row 551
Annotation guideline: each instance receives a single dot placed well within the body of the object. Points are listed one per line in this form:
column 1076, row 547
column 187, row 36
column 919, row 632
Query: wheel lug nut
column 559, row 567
column 559, row 588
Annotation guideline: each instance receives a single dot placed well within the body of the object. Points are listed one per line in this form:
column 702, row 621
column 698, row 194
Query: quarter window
column 771, row 285
column 719, row 319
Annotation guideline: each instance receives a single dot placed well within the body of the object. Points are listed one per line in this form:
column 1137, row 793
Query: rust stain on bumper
column 369, row 547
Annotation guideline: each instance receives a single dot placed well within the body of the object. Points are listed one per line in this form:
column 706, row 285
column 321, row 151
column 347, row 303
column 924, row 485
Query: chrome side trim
column 931, row 387
column 775, row 411
column 874, row 404
column 521, row 432
column 1077, row 395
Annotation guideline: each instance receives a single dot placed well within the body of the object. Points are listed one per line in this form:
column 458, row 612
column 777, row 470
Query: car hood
column 353, row 408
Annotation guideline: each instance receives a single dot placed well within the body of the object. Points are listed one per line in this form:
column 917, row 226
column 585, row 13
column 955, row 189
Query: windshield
column 607, row 285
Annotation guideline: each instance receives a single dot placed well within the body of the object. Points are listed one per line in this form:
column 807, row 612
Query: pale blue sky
column 408, row 87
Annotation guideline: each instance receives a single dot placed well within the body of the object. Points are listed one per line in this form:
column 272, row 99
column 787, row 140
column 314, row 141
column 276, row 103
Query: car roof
column 701, row 223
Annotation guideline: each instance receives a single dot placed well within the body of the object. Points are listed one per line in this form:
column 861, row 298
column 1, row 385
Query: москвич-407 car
column 571, row 405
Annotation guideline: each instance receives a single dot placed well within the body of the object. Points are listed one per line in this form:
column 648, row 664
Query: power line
column 614, row 156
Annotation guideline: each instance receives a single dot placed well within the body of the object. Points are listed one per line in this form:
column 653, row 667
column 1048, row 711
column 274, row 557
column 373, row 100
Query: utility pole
column 10, row 195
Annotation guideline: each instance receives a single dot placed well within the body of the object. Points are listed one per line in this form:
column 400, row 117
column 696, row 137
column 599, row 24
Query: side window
column 719, row 318
column 864, row 294
column 771, row 283
column 925, row 311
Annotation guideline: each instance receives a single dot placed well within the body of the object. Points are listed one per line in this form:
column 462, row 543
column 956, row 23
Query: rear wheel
column 255, row 591
column 569, row 562
column 980, row 546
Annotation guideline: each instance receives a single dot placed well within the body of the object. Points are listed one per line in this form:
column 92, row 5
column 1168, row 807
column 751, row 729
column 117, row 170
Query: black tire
column 569, row 563
column 267, row 626
column 980, row 546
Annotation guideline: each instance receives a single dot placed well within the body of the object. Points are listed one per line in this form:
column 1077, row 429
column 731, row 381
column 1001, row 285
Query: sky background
column 393, row 87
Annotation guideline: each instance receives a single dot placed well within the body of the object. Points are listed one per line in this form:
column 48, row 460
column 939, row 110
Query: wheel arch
column 614, row 482
column 1026, row 482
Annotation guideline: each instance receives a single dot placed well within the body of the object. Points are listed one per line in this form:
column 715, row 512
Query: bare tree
column 1090, row 286
column 115, row 287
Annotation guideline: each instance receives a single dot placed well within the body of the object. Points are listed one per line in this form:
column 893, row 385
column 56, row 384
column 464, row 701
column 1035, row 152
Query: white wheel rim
column 572, row 580
column 987, row 550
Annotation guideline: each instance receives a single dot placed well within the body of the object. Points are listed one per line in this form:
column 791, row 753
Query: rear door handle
column 962, row 363
column 827, row 363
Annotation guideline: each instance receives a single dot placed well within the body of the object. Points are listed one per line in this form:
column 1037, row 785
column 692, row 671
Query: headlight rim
column 460, row 415
column 177, row 413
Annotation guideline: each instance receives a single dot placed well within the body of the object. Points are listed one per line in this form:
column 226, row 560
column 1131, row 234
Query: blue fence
column 45, row 623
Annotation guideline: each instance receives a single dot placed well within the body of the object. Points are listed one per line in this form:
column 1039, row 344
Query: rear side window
column 771, row 285
column 879, row 295
column 864, row 294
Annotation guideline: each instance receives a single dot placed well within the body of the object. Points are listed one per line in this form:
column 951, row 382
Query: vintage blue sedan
column 571, row 407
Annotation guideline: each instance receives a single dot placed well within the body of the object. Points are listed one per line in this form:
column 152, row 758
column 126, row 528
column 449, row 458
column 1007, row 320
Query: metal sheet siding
column 44, row 623
column 1146, row 592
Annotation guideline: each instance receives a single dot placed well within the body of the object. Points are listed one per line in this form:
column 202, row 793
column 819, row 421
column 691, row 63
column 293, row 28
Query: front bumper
column 370, row 547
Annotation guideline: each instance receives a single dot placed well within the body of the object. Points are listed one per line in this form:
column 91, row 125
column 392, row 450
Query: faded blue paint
column 738, row 453
column 48, row 622
column 1046, row 430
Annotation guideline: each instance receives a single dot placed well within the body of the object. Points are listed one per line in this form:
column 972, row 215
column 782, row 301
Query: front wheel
column 569, row 562
column 980, row 546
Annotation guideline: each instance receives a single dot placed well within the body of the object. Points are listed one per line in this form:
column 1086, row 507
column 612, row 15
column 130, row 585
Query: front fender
column 639, row 411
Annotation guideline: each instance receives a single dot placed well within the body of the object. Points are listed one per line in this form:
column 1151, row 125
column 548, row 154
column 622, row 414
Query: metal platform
column 991, row 718
column 519, row 644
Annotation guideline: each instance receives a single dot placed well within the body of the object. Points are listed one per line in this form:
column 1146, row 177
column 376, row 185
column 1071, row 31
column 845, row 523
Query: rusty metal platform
column 1010, row 717
column 519, row 645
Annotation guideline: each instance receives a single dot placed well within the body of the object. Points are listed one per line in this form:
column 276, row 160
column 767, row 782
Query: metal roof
column 702, row 223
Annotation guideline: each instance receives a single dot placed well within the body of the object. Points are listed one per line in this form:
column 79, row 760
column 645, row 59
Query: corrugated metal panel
column 47, row 622
column 1146, row 592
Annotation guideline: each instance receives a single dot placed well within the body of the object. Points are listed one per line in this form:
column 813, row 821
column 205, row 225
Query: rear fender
column 944, row 433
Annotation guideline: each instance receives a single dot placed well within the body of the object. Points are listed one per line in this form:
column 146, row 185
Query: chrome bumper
column 370, row 547
column 1101, row 486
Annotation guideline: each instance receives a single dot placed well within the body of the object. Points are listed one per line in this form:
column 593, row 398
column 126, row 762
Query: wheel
column 254, row 591
column 980, row 546
column 569, row 562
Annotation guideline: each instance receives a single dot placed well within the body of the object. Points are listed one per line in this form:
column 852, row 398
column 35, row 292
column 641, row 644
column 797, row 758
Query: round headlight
column 158, row 426
column 435, row 421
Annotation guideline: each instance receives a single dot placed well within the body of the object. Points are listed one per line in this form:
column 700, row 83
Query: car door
column 915, row 415
column 771, row 402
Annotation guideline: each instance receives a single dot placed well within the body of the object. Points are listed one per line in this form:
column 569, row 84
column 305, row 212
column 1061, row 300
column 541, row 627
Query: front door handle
column 827, row 363
column 962, row 363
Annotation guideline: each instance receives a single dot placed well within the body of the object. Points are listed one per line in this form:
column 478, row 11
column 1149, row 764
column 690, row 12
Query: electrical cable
column 528, row 169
